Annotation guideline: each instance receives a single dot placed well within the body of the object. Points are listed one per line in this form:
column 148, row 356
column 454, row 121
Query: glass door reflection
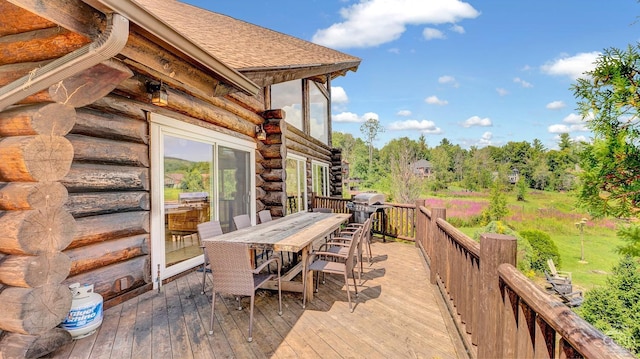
column 188, row 193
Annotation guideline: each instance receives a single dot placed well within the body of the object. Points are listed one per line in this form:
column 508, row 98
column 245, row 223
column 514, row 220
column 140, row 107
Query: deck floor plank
column 142, row 330
column 103, row 344
column 160, row 333
column 397, row 314
column 196, row 332
column 219, row 344
column 123, row 341
column 180, row 346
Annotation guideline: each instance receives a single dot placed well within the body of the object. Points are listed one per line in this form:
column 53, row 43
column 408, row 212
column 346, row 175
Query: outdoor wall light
column 159, row 96
column 261, row 134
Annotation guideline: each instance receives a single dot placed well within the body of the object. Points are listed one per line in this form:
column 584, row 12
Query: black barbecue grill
column 364, row 204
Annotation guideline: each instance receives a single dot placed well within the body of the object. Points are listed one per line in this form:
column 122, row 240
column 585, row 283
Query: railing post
column 434, row 243
column 495, row 249
column 420, row 224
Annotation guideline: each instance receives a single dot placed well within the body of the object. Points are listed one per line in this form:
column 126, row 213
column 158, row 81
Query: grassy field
column 555, row 214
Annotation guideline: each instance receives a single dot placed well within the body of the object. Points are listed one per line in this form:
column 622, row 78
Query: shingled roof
column 243, row 46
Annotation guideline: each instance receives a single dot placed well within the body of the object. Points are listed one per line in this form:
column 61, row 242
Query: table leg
column 309, row 274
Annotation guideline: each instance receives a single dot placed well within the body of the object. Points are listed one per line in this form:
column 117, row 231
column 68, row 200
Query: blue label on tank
column 80, row 317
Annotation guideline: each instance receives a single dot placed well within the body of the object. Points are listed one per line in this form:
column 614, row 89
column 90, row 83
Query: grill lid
column 369, row 198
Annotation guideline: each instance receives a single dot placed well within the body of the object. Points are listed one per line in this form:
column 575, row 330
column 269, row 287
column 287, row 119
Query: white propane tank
column 85, row 315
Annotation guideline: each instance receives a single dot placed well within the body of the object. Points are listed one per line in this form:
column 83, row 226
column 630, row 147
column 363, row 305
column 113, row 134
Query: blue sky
column 475, row 72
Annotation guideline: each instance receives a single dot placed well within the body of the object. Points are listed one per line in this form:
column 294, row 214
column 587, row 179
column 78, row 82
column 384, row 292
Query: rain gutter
column 106, row 46
column 143, row 18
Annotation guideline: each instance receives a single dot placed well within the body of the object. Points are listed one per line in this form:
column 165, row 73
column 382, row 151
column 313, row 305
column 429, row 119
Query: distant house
column 173, row 180
column 423, row 168
column 514, row 176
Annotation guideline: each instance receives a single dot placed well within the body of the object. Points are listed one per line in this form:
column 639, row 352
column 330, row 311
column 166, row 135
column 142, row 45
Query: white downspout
column 107, row 45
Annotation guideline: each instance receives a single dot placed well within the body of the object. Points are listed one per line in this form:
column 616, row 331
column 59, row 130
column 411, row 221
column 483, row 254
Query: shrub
column 543, row 248
column 524, row 254
column 615, row 308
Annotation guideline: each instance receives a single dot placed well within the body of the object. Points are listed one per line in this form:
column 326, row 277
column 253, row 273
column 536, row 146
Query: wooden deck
column 398, row 315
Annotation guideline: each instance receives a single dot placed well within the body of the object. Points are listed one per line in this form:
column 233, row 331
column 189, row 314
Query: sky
column 477, row 73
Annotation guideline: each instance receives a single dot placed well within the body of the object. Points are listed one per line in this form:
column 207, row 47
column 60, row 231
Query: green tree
column 497, row 209
column 192, row 181
column 521, row 189
column 405, row 184
column 370, row 130
column 615, row 308
column 609, row 98
column 543, row 248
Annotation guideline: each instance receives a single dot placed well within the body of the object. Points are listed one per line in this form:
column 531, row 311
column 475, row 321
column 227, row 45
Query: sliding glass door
column 198, row 175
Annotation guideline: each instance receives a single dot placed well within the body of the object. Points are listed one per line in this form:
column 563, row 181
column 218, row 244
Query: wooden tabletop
column 291, row 233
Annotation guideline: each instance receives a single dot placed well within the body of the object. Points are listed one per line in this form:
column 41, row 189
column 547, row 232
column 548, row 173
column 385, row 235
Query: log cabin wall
column 37, row 156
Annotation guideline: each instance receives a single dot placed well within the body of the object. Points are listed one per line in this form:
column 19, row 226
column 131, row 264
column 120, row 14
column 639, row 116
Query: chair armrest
column 338, row 244
column 267, row 262
column 341, row 239
column 329, row 254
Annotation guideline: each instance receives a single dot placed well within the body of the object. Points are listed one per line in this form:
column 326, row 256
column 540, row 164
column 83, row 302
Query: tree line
column 391, row 168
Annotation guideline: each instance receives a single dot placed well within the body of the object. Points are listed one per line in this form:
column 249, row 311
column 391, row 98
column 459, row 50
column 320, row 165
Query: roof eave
column 265, row 75
column 140, row 16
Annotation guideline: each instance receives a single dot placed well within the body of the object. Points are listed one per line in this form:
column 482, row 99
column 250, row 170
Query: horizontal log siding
column 108, row 188
column 498, row 311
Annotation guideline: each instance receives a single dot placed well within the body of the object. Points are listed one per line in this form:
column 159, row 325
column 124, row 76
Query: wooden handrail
column 499, row 311
column 552, row 316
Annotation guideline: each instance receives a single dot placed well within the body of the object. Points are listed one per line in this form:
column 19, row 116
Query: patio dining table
column 293, row 233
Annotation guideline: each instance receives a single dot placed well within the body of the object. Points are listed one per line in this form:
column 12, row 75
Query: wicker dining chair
column 207, row 230
column 325, row 262
column 242, row 221
column 265, row 216
column 233, row 274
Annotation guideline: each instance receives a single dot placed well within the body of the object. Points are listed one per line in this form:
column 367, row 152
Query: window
column 197, row 175
column 296, row 184
column 320, row 178
column 318, row 112
column 288, row 96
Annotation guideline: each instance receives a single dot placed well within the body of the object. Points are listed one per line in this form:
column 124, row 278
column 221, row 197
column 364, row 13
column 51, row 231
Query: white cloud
column 457, row 28
column 351, row 117
column 558, row 128
column 522, row 82
column 430, row 33
column 571, row 123
column 338, row 95
column 501, row 91
column 572, row 66
column 404, row 113
column 486, row 138
column 394, row 50
column 477, row 121
column 434, row 100
column 423, row 126
column 555, row 105
column 448, row 80
column 375, row 22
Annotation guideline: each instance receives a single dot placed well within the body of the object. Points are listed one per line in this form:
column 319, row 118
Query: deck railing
column 397, row 220
column 498, row 311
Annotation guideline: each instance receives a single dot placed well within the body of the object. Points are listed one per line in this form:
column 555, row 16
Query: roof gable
column 243, row 46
